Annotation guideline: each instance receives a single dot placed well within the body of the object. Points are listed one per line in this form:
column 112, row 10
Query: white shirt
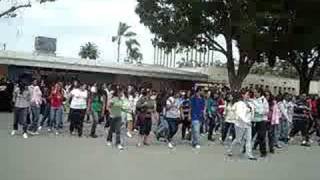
column 79, row 99
column 244, row 113
column 172, row 108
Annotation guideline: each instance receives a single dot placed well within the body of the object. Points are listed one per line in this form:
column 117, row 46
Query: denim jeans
column 56, row 117
column 46, row 115
column 276, row 134
column 173, row 127
column 95, row 118
column 196, row 132
column 243, row 136
column 115, row 127
column 284, row 129
column 163, row 128
column 20, row 117
column 35, row 113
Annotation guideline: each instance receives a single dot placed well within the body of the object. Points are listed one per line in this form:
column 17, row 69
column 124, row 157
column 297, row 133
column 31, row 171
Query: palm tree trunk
column 160, row 60
column 208, row 60
column 196, row 57
column 212, row 58
column 171, row 58
column 119, row 43
column 174, row 57
column 191, row 54
column 167, row 60
column 154, row 54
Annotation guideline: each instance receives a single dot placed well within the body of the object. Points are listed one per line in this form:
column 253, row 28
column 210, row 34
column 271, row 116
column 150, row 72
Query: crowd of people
column 249, row 118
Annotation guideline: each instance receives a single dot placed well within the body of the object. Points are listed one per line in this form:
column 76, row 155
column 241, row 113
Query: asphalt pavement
column 66, row 157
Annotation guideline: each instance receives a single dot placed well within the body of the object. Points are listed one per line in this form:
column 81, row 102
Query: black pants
column 173, row 127
column 300, row 126
column 186, row 125
column 260, row 128
column 228, row 127
column 115, row 127
column 212, row 124
column 271, row 134
column 76, row 120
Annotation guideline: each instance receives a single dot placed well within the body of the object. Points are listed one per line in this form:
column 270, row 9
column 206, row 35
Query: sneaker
column 170, row 145
column 120, row 147
column 93, row 136
column 139, row 145
column 229, row 154
column 230, row 137
column 49, row 130
column 278, row 146
column 197, row 146
column 305, row 143
column 32, row 133
column 25, row 135
column 13, row 132
column 109, row 143
column 129, row 134
column 252, row 158
column 39, row 128
column 57, row 133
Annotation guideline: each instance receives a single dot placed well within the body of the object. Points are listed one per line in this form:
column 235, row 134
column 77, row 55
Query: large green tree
column 123, row 32
column 292, row 32
column 9, row 8
column 89, row 51
column 197, row 24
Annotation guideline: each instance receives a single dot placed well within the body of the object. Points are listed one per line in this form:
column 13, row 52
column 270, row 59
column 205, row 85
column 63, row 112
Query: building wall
column 3, row 71
column 52, row 75
column 273, row 83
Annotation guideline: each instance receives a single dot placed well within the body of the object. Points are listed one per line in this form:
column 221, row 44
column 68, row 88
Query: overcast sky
column 73, row 23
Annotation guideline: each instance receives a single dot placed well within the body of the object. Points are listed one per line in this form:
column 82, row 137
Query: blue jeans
column 45, row 115
column 35, row 113
column 196, row 132
column 284, row 129
column 56, row 117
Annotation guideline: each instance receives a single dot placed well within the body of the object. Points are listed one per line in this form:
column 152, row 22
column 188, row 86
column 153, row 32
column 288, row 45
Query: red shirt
column 221, row 106
column 56, row 99
column 314, row 109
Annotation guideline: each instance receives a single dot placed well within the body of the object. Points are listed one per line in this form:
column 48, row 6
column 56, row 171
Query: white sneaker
column 49, row 130
column 36, row 133
column 129, row 134
column 57, row 133
column 39, row 128
column 13, row 132
column 198, row 147
column 120, row 147
column 25, row 135
column 170, row 145
column 109, row 143
column 230, row 137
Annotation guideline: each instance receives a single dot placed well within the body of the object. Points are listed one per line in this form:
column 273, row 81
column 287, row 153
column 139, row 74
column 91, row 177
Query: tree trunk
column 154, row 54
column 160, row 60
column 119, row 43
column 174, row 58
column 304, row 84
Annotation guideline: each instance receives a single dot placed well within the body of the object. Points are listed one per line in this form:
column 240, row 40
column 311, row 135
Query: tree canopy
column 89, row 51
column 11, row 7
column 260, row 30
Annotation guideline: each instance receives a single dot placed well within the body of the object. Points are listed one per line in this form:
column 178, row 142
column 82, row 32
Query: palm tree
column 135, row 55
column 89, row 51
column 122, row 33
column 132, row 45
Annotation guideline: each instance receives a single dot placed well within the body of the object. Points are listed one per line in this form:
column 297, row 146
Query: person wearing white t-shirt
column 78, row 108
column 244, row 113
column 172, row 114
